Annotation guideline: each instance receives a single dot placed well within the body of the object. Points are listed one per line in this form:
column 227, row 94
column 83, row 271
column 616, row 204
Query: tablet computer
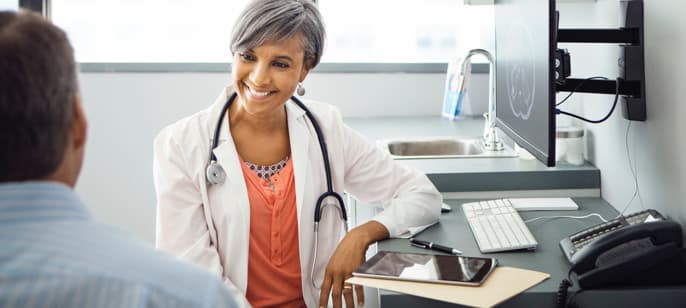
column 450, row 269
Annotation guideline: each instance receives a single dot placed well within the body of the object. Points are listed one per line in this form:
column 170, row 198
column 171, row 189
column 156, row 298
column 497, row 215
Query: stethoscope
column 216, row 174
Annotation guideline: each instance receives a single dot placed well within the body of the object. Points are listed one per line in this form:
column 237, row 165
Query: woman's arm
column 349, row 254
column 409, row 198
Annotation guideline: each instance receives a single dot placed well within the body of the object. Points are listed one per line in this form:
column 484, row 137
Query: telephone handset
column 637, row 249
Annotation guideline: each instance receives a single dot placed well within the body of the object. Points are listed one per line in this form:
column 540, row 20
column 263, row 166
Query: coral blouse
column 274, row 277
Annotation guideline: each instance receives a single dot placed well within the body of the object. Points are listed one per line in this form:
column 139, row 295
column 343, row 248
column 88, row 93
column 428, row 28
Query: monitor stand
column 632, row 64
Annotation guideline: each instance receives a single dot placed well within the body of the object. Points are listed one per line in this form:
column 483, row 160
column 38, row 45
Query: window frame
column 198, row 67
column 43, row 7
column 40, row 6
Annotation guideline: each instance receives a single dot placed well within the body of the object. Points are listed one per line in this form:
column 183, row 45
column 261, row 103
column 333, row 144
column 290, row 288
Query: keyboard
column 497, row 226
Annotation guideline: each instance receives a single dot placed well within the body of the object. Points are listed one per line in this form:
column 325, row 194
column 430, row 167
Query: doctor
column 255, row 227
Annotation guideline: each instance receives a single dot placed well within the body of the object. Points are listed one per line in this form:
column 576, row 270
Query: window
column 114, row 31
column 9, row 5
column 390, row 30
column 358, row 31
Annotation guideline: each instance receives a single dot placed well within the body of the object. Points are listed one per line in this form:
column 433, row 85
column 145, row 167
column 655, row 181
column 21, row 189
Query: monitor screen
column 525, row 93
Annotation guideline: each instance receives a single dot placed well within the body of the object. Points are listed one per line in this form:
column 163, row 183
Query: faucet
column 490, row 141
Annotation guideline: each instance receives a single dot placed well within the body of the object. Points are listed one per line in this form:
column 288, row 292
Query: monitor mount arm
column 490, row 140
column 631, row 65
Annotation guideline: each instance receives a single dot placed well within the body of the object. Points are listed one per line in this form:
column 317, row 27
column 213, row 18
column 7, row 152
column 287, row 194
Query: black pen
column 431, row 245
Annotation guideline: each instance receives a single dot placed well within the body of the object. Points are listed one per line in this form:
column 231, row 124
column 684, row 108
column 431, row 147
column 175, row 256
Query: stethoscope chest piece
column 215, row 173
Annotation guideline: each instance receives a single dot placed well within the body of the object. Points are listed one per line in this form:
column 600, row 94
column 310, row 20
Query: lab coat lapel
column 225, row 151
column 232, row 195
column 228, row 157
column 299, row 134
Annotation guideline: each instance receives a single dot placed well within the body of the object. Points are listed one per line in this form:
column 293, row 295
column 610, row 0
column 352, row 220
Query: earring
column 300, row 90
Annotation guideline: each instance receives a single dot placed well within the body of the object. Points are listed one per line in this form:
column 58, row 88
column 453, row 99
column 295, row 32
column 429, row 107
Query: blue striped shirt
column 54, row 254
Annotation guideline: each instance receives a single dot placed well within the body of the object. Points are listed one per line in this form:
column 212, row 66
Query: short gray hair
column 276, row 20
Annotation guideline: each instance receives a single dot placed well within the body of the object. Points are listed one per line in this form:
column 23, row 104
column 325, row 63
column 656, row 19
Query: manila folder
column 503, row 283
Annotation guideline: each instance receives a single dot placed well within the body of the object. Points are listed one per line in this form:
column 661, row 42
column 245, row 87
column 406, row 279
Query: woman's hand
column 349, row 254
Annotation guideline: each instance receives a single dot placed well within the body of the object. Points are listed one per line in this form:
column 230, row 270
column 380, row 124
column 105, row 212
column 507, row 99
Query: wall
column 125, row 112
column 656, row 146
column 661, row 145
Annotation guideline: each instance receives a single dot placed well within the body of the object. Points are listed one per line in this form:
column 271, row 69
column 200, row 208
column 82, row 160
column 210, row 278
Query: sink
column 434, row 147
column 439, row 147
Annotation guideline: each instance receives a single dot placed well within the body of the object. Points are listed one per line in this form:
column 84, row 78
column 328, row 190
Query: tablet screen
column 426, row 267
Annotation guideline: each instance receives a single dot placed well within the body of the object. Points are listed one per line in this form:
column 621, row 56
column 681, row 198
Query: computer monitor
column 525, row 92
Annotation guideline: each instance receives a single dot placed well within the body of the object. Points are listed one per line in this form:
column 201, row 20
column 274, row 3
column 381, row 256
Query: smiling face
column 266, row 76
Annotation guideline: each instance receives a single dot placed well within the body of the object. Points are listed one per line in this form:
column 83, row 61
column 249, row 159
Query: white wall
column 661, row 143
column 656, row 145
column 125, row 112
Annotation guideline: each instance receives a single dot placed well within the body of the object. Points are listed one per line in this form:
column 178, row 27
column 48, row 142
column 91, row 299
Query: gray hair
column 276, row 20
column 38, row 85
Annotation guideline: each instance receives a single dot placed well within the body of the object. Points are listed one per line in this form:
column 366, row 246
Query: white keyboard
column 497, row 226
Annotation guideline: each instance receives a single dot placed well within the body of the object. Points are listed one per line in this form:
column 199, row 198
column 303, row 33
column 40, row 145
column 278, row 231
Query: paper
column 503, row 283
column 412, row 231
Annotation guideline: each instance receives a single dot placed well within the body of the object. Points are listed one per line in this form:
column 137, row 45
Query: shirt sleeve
column 227, row 296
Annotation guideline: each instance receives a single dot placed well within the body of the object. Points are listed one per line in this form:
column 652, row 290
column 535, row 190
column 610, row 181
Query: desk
column 453, row 231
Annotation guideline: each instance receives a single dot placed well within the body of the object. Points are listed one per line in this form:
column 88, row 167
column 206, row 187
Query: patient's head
column 42, row 125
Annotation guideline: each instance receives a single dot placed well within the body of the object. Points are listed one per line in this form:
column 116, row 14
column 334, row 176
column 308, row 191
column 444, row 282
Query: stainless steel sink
column 439, row 147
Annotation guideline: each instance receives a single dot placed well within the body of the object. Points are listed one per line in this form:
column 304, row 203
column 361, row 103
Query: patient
column 53, row 253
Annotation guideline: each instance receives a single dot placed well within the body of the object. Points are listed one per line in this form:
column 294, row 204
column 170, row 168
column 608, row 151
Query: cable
column 561, row 296
column 577, row 88
column 633, row 173
column 572, row 217
column 628, row 155
column 614, row 104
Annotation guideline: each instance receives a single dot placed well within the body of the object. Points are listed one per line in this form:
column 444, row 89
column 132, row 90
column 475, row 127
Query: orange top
column 274, row 277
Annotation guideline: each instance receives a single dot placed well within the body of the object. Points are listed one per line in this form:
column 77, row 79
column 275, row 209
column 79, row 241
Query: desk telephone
column 638, row 249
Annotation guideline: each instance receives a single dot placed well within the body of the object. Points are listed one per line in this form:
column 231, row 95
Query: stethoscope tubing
column 218, row 128
column 327, row 166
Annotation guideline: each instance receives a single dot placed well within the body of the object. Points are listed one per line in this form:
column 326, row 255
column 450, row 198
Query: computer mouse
column 445, row 208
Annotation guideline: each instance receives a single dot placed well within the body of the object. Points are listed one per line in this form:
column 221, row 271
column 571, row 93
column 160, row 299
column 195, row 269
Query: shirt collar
column 40, row 199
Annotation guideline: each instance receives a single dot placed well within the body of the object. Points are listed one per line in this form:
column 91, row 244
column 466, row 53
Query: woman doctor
column 256, row 228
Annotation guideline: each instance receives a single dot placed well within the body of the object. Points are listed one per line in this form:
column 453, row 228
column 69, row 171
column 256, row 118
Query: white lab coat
column 209, row 225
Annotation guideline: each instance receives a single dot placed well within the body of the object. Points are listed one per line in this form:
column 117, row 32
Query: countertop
column 476, row 174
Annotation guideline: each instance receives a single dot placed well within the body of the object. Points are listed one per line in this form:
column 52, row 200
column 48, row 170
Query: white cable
column 572, row 217
column 628, row 156
column 633, row 166
column 638, row 187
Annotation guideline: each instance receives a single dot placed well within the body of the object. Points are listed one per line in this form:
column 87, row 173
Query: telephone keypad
column 575, row 242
